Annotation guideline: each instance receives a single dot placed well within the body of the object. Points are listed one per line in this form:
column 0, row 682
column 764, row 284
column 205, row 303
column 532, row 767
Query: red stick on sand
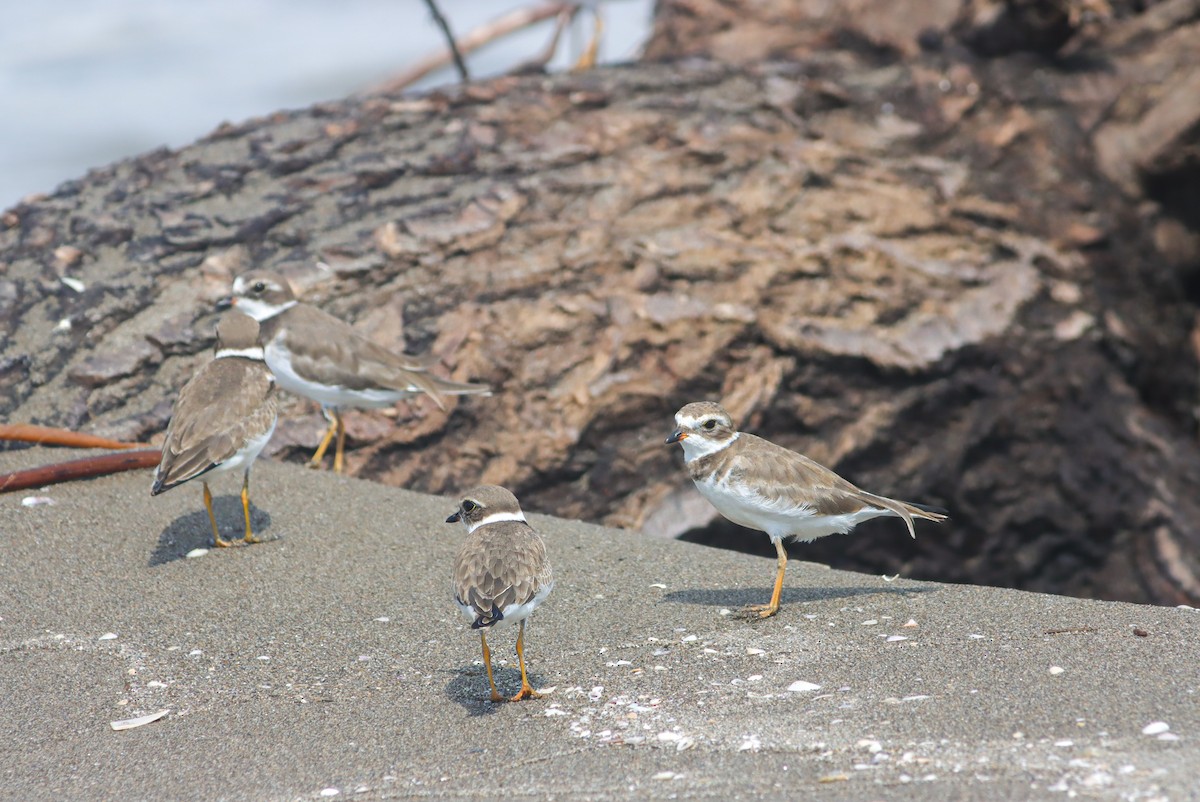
column 129, row 459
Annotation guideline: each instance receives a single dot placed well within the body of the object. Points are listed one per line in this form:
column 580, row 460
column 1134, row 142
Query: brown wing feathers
column 777, row 471
column 210, row 423
column 499, row 565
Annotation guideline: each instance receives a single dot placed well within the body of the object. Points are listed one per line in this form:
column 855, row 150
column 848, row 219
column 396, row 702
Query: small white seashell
column 870, row 622
column 383, row 619
column 1168, row 736
column 669, row 736
column 664, row 775
column 754, row 678
column 895, row 638
column 1155, row 727
column 108, row 636
column 73, row 283
column 800, row 686
column 155, row 684
column 330, row 792
column 659, row 585
column 690, row 639
column 1064, row 742
column 38, row 501
column 750, row 744
column 140, row 721
column 725, row 611
column 912, row 622
column 196, row 553
column 63, row 325
column 755, row 650
column 264, row 657
column 887, row 578
column 1056, row 670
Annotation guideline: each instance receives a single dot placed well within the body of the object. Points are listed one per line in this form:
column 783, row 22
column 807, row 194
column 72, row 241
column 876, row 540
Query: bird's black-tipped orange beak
column 226, row 303
column 676, row 436
column 455, row 518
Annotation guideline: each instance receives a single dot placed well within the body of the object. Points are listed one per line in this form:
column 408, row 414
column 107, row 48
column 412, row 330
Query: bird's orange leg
column 770, row 608
column 527, row 691
column 339, row 461
column 319, row 454
column 487, row 662
column 250, row 538
column 212, row 519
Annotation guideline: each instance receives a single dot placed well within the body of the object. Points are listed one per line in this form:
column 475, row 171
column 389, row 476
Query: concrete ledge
column 332, row 657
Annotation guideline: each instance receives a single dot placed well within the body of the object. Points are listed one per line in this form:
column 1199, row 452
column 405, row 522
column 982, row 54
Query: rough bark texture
column 958, row 270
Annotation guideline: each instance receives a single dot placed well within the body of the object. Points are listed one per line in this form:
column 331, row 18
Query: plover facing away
column 223, row 418
column 501, row 574
column 760, row 485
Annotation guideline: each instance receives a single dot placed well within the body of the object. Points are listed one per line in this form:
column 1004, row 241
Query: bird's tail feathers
column 436, row 387
column 488, row 619
column 908, row 511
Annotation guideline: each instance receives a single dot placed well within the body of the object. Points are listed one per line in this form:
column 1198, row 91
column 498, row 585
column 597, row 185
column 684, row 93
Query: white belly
column 279, row 360
column 246, row 455
column 781, row 521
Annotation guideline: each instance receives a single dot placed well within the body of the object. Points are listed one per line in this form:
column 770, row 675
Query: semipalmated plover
column 501, row 573
column 763, row 486
column 318, row 356
column 223, row 417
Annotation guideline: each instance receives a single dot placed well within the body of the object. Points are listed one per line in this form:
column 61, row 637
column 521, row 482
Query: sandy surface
column 331, row 659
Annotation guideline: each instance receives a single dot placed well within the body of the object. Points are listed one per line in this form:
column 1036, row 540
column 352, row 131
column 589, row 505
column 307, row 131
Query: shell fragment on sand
column 140, row 721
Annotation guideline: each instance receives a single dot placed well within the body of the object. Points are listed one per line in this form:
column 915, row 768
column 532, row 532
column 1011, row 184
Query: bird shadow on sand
column 193, row 531
column 734, row 598
column 468, row 687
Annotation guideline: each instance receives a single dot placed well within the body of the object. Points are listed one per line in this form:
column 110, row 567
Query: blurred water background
column 86, row 82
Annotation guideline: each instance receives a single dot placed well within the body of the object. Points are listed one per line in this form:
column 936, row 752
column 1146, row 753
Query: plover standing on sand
column 501, row 573
column 763, row 486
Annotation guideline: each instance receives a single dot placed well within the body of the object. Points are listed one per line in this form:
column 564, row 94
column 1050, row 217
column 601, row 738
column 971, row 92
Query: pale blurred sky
column 86, row 82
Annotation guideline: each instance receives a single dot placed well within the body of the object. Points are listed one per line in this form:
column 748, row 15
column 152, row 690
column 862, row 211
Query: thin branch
column 84, row 468
column 445, row 26
column 542, row 59
column 48, row 435
column 472, row 41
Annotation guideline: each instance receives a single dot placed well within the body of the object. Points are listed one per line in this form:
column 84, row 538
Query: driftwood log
column 944, row 250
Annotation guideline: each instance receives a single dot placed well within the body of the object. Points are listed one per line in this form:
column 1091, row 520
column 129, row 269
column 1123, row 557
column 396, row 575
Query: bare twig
column 472, row 41
column 48, row 435
column 445, row 26
column 79, row 469
column 542, row 59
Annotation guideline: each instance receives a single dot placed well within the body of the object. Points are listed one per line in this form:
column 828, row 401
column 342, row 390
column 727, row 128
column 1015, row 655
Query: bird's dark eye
column 710, row 424
column 259, row 286
column 470, row 506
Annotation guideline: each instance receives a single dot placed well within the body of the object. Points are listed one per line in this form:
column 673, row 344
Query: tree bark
column 956, row 277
